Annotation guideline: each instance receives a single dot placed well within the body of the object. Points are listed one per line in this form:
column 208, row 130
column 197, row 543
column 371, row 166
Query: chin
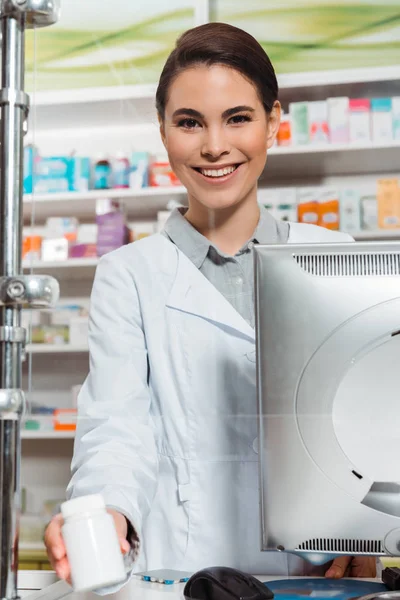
column 213, row 201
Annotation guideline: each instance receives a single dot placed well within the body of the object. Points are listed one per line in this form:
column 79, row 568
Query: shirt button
column 250, row 245
column 239, row 281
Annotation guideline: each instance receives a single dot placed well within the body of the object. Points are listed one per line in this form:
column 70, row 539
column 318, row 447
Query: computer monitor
column 328, row 376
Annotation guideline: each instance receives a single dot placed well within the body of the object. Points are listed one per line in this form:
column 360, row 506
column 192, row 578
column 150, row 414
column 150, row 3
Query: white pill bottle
column 92, row 545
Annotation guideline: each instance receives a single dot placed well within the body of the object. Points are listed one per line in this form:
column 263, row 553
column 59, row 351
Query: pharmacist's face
column 217, row 134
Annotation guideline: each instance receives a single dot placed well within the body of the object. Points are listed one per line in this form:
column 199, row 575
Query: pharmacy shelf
column 377, row 235
column 73, row 268
column 332, row 148
column 26, row 434
column 71, row 263
column 314, row 160
column 147, row 92
column 326, row 160
column 31, row 547
column 142, row 203
column 56, row 349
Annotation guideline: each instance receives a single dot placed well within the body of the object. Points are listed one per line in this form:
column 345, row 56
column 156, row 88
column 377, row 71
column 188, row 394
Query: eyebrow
column 227, row 113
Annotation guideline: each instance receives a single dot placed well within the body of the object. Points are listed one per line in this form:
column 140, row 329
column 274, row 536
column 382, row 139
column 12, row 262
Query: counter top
column 30, row 582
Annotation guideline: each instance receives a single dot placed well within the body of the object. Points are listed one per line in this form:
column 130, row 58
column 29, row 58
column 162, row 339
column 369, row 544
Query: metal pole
column 11, row 138
column 16, row 290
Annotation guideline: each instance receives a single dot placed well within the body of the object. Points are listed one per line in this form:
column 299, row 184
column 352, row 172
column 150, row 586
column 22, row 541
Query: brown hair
column 223, row 44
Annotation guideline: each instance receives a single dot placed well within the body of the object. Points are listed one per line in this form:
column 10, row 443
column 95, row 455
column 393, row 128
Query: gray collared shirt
column 233, row 276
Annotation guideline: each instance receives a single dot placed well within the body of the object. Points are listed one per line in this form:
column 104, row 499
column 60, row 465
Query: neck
column 227, row 228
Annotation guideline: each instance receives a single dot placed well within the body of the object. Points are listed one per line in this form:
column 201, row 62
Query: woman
column 168, row 414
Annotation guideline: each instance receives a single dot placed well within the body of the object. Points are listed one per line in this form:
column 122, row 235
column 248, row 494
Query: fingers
column 363, row 566
column 125, row 545
column 338, row 568
column 56, row 548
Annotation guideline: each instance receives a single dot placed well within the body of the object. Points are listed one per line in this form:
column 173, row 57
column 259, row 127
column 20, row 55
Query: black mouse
column 224, row 583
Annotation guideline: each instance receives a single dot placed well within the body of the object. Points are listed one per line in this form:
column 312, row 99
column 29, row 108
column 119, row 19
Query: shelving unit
column 139, row 203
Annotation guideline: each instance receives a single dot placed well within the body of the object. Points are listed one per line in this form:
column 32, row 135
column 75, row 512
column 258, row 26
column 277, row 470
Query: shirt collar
column 196, row 246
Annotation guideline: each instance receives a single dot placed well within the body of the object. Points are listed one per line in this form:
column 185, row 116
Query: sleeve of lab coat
column 115, row 451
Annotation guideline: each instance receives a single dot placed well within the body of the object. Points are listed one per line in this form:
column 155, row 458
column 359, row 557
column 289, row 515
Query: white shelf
column 55, row 349
column 31, row 547
column 325, row 160
column 147, row 92
column 139, row 203
column 377, row 235
column 338, row 77
column 71, row 263
column 332, row 148
column 47, row 435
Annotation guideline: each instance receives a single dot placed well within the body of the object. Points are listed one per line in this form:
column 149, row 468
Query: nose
column 215, row 143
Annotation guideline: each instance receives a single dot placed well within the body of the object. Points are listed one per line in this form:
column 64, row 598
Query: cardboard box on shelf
column 382, row 120
column 338, row 120
column 396, row 117
column 369, row 211
column 388, row 200
column 299, row 123
column 350, row 211
column 55, row 249
column 328, row 211
column 318, row 122
column 308, row 205
column 57, row 174
column 360, row 120
column 65, row 419
column 281, row 203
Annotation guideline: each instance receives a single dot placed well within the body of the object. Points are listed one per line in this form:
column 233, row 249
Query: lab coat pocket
column 168, row 523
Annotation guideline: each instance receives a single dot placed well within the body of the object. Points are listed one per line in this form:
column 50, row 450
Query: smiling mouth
column 217, row 173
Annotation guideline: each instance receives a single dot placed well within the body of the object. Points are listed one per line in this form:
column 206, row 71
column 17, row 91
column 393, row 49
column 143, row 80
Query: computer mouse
column 224, row 583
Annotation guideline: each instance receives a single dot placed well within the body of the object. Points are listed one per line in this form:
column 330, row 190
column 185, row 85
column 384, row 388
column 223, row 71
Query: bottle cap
column 82, row 505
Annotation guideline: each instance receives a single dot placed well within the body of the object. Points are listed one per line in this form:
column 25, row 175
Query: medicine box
column 308, row 205
column 382, row 120
column 328, row 212
column 57, row 174
column 350, row 215
column 318, row 122
column 396, row 117
column 338, row 120
column 388, row 200
column 299, row 121
column 360, row 120
column 369, row 211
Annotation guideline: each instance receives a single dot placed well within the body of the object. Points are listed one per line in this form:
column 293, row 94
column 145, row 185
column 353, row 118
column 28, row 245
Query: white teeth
column 217, row 172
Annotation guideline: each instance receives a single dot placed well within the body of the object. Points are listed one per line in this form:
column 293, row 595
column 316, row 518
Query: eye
column 188, row 123
column 239, row 119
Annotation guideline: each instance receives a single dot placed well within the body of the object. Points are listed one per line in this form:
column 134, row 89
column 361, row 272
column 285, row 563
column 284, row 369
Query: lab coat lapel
column 194, row 294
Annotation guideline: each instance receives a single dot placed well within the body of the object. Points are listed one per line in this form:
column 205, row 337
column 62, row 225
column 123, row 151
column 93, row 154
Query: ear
column 274, row 121
column 162, row 131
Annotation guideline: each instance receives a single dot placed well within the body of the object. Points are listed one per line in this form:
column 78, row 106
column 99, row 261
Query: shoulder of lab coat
column 303, row 233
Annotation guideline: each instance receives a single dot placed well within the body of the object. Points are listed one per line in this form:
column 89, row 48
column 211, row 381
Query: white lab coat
column 167, row 416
